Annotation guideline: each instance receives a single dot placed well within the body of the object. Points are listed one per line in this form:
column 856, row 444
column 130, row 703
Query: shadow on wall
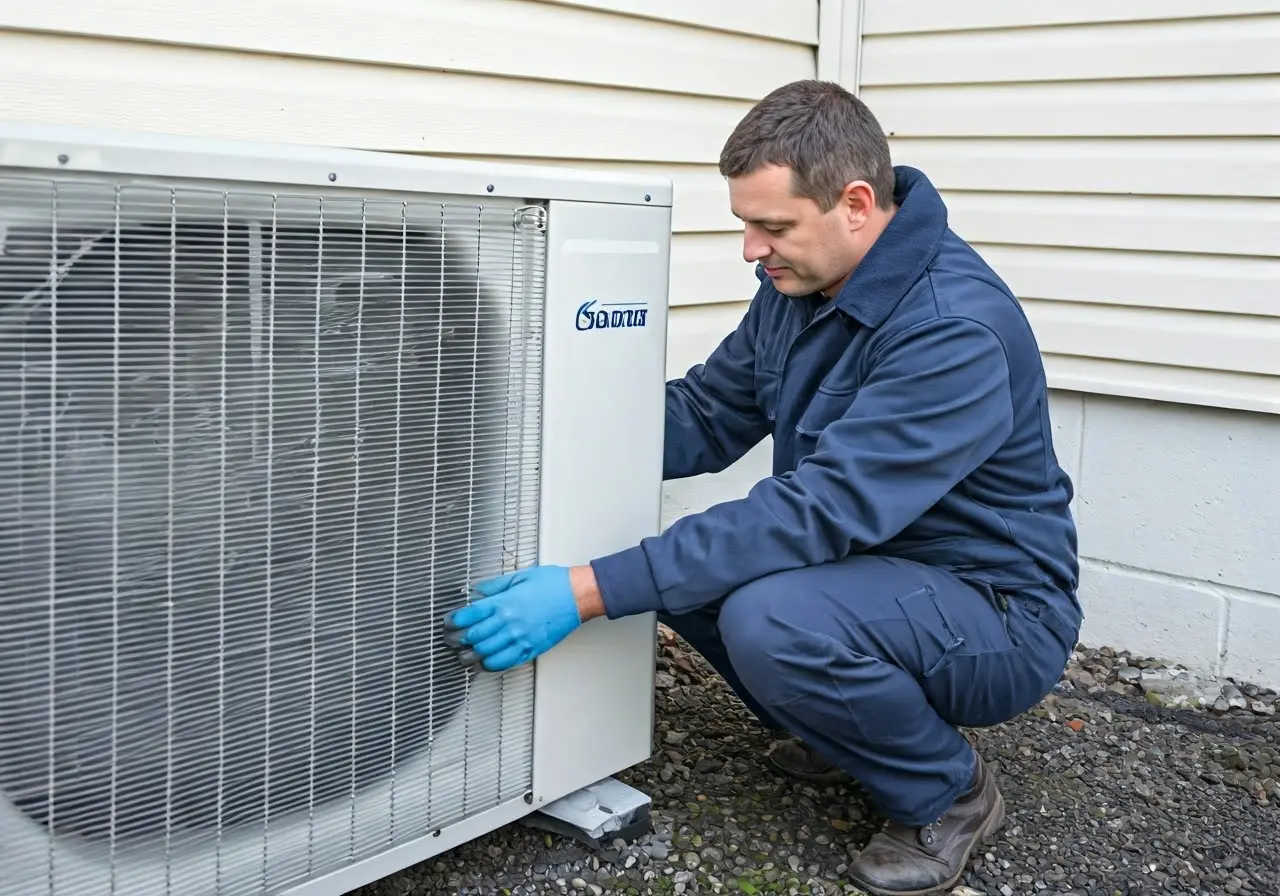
column 697, row 493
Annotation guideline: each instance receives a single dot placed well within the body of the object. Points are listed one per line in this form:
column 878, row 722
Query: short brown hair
column 822, row 132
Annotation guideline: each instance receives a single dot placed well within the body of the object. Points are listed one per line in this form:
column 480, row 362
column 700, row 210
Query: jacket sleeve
column 712, row 418
column 936, row 404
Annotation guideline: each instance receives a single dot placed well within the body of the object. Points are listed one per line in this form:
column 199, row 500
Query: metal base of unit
column 597, row 815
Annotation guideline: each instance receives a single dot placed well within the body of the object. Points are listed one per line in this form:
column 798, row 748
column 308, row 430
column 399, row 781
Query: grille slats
column 254, row 447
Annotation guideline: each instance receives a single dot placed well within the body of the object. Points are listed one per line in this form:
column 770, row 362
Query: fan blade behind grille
column 249, row 463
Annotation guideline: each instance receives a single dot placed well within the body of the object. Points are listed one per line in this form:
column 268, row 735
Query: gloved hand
column 520, row 616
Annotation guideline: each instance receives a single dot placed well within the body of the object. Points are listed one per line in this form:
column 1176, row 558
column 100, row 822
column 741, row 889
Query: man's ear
column 857, row 202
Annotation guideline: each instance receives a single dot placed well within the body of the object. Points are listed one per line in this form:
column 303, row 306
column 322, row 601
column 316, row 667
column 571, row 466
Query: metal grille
column 252, row 448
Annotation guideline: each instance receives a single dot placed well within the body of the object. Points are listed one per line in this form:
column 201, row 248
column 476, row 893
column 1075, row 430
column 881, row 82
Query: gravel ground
column 1131, row 778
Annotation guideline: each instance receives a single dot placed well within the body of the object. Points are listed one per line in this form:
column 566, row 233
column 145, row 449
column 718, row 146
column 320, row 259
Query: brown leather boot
column 902, row 861
column 797, row 759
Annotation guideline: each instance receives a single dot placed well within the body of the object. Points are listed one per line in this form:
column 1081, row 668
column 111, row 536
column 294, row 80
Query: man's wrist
column 586, row 592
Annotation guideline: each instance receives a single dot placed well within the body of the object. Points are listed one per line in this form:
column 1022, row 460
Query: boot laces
column 929, row 833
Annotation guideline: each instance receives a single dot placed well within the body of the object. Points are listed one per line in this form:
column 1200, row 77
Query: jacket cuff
column 626, row 583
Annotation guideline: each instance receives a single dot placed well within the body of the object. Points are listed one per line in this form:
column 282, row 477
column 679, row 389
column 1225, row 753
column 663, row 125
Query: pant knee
column 772, row 655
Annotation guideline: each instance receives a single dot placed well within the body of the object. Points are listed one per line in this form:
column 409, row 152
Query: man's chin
column 790, row 285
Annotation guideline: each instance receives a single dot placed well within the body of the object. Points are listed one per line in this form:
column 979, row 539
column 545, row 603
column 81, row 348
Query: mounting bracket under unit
column 597, row 814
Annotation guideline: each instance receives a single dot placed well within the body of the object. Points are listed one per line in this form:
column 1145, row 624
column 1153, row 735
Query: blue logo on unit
column 611, row 315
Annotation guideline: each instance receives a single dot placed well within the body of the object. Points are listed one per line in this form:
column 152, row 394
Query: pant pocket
column 936, row 637
column 1043, row 613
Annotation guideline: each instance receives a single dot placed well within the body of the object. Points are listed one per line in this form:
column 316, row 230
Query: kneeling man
column 910, row 567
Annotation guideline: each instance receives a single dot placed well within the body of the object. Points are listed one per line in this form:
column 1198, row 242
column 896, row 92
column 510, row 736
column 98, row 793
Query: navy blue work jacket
column 909, row 417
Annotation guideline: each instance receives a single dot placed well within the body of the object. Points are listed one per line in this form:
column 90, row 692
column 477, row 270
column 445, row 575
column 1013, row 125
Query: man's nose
column 754, row 248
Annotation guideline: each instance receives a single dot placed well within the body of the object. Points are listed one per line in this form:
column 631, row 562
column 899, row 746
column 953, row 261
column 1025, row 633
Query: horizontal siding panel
column 907, row 16
column 511, row 38
column 1243, row 106
column 701, row 203
column 235, row 95
column 1206, row 388
column 1194, row 339
column 1231, row 285
column 1168, row 224
column 1151, row 167
column 708, row 268
column 791, row 20
column 1171, row 49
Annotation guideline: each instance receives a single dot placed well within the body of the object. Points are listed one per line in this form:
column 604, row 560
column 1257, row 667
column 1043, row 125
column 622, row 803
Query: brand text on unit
column 595, row 315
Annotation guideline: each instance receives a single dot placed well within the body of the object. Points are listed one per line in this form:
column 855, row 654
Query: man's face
column 803, row 249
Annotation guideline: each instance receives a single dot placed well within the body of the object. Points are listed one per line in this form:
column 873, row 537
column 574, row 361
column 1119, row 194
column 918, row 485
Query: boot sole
column 813, row 777
column 986, row 836
column 835, row 776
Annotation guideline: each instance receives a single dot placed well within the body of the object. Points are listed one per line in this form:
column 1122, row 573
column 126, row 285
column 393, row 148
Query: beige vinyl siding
column 1118, row 163
column 634, row 85
column 919, row 16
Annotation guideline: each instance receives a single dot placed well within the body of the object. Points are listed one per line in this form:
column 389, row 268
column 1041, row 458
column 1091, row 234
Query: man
column 910, row 566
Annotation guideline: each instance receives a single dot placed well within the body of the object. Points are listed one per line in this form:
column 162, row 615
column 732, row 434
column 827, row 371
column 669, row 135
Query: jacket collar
column 899, row 256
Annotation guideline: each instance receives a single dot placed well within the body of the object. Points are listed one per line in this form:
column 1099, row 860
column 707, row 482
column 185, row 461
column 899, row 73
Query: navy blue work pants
column 874, row 661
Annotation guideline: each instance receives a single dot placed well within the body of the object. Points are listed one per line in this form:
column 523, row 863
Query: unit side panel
column 606, row 315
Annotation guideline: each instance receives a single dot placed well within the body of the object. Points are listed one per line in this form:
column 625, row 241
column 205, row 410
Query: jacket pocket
column 825, row 407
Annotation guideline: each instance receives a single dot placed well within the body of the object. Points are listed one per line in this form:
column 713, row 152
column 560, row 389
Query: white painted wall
column 1179, row 515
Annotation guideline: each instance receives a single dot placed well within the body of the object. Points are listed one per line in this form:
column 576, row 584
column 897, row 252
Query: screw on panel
column 646, row 197
column 489, row 189
column 332, row 177
column 63, row 158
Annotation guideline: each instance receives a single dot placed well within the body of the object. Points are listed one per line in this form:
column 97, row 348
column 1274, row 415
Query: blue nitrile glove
column 521, row 615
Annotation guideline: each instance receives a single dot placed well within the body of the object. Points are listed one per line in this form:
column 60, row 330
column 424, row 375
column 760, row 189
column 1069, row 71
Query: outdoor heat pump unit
column 268, row 411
